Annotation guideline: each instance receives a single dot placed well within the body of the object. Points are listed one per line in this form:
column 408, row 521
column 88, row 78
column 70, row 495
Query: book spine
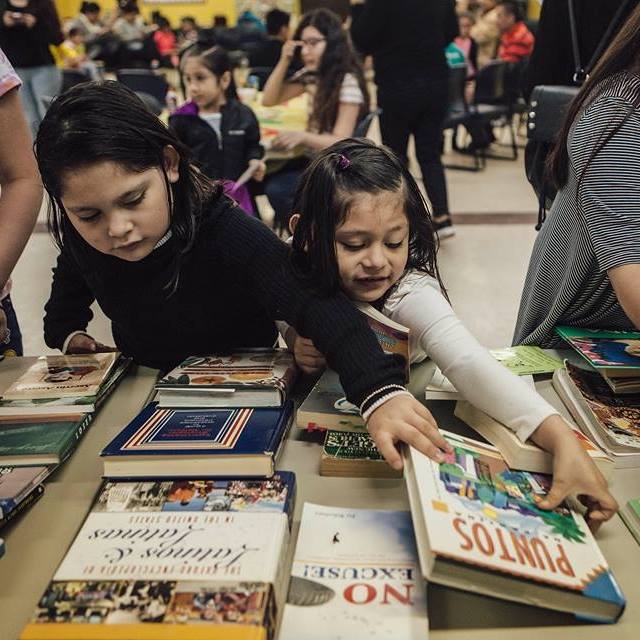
column 22, row 506
column 74, row 438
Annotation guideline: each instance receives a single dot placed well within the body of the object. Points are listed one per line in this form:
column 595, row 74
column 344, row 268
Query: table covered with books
column 37, row 542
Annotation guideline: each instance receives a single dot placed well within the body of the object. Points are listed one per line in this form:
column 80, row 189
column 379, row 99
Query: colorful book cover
column 255, row 368
column 274, row 495
column 40, row 443
column 617, row 415
column 207, row 575
column 355, row 574
column 611, row 350
column 478, row 512
column 201, row 432
column 327, row 408
column 526, row 360
column 16, row 483
column 62, row 376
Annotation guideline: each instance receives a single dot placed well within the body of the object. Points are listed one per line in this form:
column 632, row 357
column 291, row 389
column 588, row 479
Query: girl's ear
column 225, row 80
column 293, row 222
column 171, row 163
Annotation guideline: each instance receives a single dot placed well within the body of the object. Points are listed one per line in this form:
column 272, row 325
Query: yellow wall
column 203, row 12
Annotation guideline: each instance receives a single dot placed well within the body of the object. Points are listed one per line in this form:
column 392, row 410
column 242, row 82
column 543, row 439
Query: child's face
column 313, row 46
column 203, row 87
column 372, row 245
column 465, row 27
column 117, row 211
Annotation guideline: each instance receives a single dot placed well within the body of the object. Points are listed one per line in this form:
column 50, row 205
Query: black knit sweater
column 233, row 284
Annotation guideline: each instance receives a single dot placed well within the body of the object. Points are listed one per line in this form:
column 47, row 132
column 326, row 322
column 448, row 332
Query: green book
column 630, row 514
column 26, row 444
column 526, row 360
column 353, row 455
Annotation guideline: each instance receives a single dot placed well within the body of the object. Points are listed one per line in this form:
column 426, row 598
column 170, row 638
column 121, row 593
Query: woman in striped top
column 585, row 266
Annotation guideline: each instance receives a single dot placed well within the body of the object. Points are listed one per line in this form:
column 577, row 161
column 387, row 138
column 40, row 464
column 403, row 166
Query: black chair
column 144, row 81
column 72, row 77
column 362, row 128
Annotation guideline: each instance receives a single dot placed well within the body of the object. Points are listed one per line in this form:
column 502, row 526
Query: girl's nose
column 374, row 258
column 119, row 226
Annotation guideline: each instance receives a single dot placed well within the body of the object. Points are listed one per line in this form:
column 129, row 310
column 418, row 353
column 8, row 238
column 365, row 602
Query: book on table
column 478, row 528
column 353, row 455
column 615, row 355
column 40, row 443
column 613, row 421
column 355, row 575
column 441, row 388
column 27, row 502
column 526, row 360
column 630, row 514
column 526, row 456
column 156, row 573
column 16, row 484
column 63, row 388
column 199, row 442
column 250, row 378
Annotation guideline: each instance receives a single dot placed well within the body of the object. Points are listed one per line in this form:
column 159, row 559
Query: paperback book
column 353, row 455
column 355, row 575
column 526, row 360
column 255, row 378
column 27, row 502
column 16, row 483
column 478, row 528
column 526, row 456
column 613, row 421
column 197, row 576
column 44, row 443
column 630, row 514
column 198, row 443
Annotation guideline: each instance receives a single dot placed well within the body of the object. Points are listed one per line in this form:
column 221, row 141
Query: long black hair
column 325, row 193
column 621, row 55
column 106, row 122
column 338, row 59
column 215, row 59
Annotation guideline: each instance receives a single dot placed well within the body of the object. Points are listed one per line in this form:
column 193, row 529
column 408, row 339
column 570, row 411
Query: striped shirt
column 590, row 230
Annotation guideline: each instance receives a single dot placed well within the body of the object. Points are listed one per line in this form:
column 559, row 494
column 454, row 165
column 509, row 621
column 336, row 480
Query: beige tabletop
column 37, row 541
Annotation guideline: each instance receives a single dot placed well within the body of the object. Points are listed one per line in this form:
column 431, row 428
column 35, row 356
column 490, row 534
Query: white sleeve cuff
column 65, row 344
column 531, row 423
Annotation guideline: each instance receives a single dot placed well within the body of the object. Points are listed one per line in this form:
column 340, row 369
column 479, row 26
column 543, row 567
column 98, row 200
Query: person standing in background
column 20, row 198
column 267, row 53
column 27, row 28
column 407, row 39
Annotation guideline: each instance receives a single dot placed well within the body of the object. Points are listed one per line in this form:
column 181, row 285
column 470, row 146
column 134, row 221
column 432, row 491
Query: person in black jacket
column 407, row 39
column 222, row 133
column 179, row 269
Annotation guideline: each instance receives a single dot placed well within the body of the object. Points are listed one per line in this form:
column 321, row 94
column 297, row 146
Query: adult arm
column 277, row 89
column 21, row 188
column 625, row 280
column 345, row 126
column 369, row 21
column 68, row 309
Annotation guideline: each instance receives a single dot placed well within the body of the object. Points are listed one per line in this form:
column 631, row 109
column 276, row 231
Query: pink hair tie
column 343, row 162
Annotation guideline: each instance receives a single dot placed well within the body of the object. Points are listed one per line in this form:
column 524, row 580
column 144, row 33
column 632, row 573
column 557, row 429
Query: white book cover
column 177, row 546
column 355, row 575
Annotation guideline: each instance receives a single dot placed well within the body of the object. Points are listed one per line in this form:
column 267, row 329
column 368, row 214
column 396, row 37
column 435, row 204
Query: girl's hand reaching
column 574, row 473
column 83, row 343
column 404, row 419
column 259, row 170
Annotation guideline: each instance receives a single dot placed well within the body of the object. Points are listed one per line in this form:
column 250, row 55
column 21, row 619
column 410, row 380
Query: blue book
column 173, row 443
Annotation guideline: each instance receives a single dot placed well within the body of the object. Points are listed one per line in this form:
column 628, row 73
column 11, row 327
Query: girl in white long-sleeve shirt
column 360, row 224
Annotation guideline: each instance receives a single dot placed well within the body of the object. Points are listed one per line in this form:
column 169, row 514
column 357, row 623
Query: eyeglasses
column 312, row 42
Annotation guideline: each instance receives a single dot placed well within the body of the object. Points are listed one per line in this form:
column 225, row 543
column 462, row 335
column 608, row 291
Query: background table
column 38, row 540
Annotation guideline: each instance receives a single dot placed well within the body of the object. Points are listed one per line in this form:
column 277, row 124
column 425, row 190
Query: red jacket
column 516, row 44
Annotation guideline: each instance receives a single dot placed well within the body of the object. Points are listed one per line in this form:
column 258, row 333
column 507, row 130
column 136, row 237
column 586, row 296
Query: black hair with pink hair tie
column 343, row 162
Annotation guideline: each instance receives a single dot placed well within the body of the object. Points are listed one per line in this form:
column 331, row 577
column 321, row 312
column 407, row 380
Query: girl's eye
column 352, row 247
column 93, row 216
column 134, row 203
column 395, row 245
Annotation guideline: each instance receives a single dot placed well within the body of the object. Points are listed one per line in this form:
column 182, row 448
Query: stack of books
column 185, row 559
column 43, row 415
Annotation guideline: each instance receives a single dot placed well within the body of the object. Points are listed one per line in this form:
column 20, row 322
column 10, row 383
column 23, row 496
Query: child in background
column 222, row 134
column 178, row 268
column 361, row 226
column 166, row 42
column 71, row 54
column 467, row 44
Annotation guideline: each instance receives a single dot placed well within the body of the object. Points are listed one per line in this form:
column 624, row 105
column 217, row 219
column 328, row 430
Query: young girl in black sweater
column 179, row 269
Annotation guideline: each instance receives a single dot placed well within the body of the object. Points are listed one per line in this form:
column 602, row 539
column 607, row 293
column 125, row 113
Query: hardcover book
column 613, row 421
column 255, row 378
column 615, row 353
column 275, row 495
column 45, row 443
column 526, row 456
column 172, row 575
column 478, row 528
column 355, row 575
column 198, row 443
column 353, row 455
column 16, row 483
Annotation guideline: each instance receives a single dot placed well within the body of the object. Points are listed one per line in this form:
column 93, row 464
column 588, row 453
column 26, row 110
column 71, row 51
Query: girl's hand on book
column 307, row 357
column 574, row 473
column 82, row 343
column 404, row 419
